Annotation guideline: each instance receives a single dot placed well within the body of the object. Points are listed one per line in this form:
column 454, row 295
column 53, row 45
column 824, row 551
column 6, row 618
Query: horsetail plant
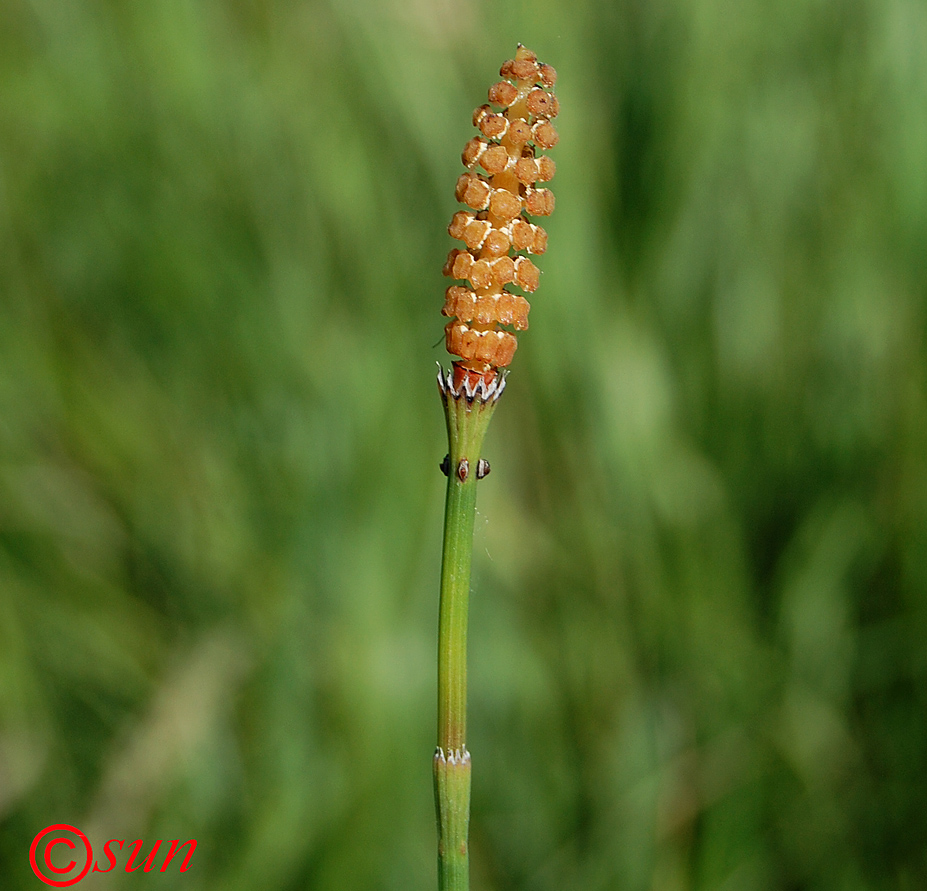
column 497, row 236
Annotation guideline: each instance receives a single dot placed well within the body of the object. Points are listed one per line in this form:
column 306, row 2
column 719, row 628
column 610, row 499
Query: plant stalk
column 467, row 420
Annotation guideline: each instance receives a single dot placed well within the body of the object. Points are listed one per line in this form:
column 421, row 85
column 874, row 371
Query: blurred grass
column 698, row 628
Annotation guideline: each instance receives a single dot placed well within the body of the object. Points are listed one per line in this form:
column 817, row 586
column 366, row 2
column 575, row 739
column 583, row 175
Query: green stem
column 459, row 511
column 468, row 416
column 452, row 800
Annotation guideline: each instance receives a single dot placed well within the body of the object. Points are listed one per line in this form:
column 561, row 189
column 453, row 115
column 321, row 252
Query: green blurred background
column 698, row 630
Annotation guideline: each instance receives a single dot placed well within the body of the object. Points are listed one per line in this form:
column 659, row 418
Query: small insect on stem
column 463, row 469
